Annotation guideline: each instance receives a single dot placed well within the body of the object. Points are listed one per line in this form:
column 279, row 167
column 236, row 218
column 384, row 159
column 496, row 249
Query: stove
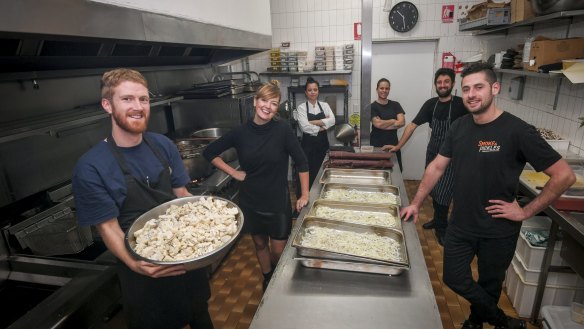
column 63, row 278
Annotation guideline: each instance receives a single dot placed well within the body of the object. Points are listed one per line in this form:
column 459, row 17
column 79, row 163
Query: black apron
column 170, row 302
column 315, row 147
column 442, row 191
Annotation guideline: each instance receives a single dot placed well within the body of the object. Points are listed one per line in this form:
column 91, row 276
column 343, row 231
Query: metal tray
column 356, row 176
column 362, row 188
column 195, row 262
column 390, row 210
column 350, row 266
column 350, row 227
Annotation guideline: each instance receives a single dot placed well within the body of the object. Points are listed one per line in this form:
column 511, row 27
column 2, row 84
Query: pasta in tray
column 187, row 231
column 357, row 216
column 353, row 195
column 367, row 245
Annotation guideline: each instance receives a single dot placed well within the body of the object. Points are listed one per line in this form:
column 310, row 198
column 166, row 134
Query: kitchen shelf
column 344, row 72
column 57, row 124
column 530, row 73
column 529, row 22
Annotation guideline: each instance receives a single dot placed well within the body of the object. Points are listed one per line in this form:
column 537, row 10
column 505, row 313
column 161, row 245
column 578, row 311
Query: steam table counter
column 300, row 297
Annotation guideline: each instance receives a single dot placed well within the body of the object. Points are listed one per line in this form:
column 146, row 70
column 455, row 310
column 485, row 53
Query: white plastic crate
column 522, row 294
column 554, row 278
column 558, row 317
column 531, row 256
column 559, row 144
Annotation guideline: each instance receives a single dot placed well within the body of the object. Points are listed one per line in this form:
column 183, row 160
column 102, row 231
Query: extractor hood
column 48, row 35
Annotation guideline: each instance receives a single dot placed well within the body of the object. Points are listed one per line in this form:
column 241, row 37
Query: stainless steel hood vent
column 75, row 34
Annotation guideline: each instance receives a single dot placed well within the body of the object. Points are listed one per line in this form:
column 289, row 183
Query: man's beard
column 134, row 127
column 445, row 93
column 483, row 108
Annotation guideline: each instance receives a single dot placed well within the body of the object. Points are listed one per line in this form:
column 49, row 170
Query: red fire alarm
column 448, row 60
column 357, row 30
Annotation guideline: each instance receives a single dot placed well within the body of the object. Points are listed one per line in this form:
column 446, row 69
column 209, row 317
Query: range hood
column 42, row 36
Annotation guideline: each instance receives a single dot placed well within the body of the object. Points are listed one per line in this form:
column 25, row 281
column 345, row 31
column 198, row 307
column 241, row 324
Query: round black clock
column 403, row 16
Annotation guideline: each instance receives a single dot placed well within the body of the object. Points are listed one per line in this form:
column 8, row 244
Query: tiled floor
column 236, row 284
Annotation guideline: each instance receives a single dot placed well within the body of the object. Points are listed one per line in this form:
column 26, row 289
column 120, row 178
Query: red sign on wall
column 447, row 13
column 357, row 31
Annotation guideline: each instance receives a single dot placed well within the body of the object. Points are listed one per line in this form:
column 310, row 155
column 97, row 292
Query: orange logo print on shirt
column 489, row 146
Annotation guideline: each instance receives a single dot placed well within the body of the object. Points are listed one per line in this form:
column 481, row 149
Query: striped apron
column 442, row 192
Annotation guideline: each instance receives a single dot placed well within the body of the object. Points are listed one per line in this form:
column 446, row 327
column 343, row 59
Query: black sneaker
column 469, row 325
column 513, row 323
column 429, row 225
column 439, row 233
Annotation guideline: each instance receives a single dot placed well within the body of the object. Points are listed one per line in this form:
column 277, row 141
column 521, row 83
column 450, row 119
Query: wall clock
column 403, row 16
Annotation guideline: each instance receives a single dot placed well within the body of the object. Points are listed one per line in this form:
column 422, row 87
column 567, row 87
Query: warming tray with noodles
column 356, row 176
column 365, row 214
column 196, row 223
column 375, row 194
column 349, row 266
column 326, row 239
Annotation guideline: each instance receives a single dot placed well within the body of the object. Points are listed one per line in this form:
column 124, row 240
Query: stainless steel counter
column 300, row 297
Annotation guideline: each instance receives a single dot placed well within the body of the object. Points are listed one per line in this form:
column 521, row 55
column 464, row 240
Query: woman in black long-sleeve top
column 263, row 147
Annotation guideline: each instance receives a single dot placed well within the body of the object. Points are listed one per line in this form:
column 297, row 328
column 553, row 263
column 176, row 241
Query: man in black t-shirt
column 488, row 150
column 439, row 112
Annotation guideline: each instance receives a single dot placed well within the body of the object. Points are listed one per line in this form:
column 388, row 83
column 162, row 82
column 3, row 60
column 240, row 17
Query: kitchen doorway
column 409, row 66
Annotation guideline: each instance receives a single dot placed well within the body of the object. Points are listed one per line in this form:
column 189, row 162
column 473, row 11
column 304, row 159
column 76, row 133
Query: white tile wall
column 308, row 23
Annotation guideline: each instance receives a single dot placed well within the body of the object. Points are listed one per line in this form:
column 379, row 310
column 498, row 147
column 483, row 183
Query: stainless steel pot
column 544, row 7
column 211, row 133
column 197, row 166
column 191, row 152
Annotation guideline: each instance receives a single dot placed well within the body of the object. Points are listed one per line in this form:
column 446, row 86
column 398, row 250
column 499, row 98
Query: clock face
column 403, row 16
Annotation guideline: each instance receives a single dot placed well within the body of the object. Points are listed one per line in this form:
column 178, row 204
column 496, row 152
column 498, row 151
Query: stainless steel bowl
column 344, row 133
column 193, row 263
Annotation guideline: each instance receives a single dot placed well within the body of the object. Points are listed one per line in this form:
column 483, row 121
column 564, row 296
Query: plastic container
column 559, row 144
column 558, row 317
column 577, row 313
column 554, row 278
column 531, row 256
column 522, row 294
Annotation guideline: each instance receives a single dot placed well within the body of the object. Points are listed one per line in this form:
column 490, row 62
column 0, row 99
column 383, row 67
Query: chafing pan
column 350, row 266
column 356, row 176
column 309, row 222
column 356, row 208
column 383, row 189
column 193, row 263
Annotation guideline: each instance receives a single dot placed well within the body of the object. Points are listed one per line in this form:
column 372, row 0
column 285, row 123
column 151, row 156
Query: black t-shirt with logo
column 487, row 160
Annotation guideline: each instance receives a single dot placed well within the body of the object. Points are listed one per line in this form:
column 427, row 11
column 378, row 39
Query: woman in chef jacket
column 314, row 119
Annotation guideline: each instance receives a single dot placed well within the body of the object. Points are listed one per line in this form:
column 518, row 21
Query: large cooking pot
column 211, row 134
column 191, row 152
column 544, row 7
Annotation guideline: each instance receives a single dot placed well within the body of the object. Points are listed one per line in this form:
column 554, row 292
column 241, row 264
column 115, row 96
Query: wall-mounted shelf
column 531, row 74
column 344, row 72
column 529, row 22
column 524, row 73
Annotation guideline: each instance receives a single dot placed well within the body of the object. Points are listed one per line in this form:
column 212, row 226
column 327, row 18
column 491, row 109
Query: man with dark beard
column 122, row 177
column 439, row 112
column 488, row 150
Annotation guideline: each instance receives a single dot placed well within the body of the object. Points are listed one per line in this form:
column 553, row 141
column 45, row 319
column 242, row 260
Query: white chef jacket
column 309, row 128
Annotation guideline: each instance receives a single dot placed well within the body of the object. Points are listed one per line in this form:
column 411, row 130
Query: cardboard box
column 521, row 10
column 554, row 51
column 480, row 10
